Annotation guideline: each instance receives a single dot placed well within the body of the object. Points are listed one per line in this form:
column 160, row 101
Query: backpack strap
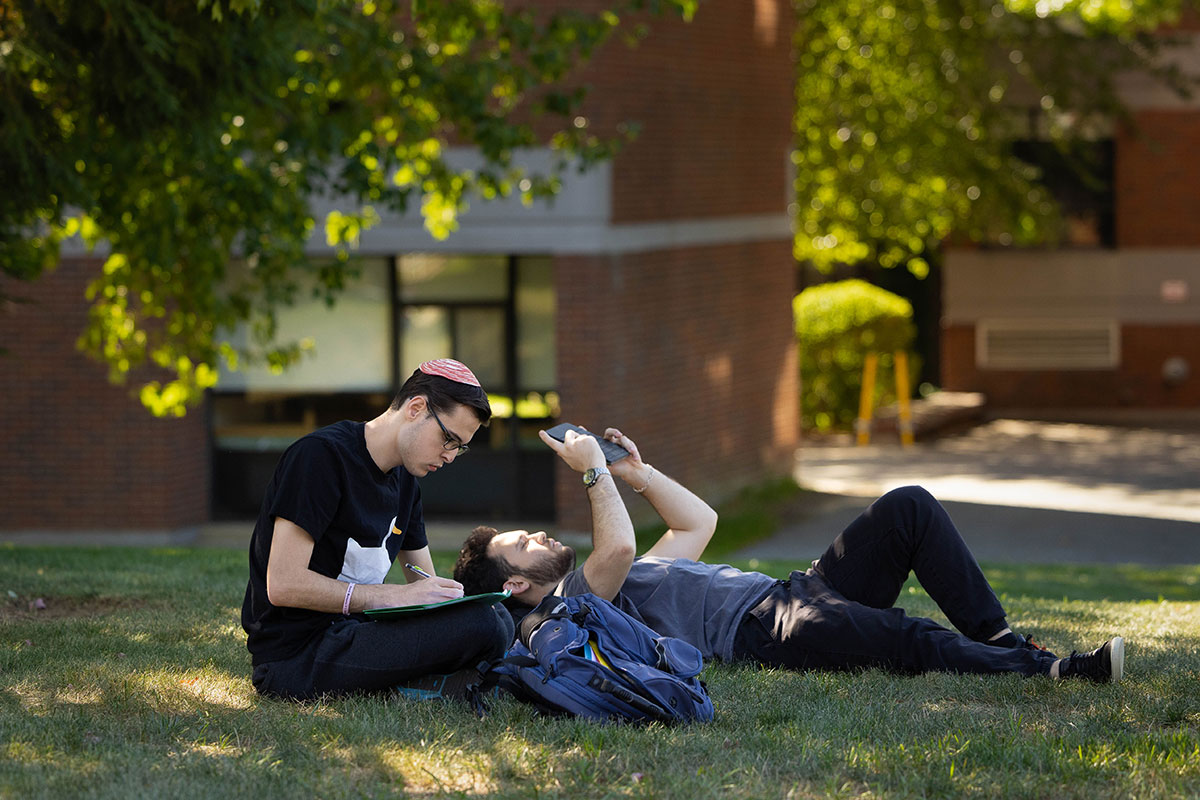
column 492, row 678
column 481, row 686
column 514, row 661
column 580, row 616
column 647, row 707
column 550, row 608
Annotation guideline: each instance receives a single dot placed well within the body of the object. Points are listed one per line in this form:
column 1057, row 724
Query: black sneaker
column 1105, row 664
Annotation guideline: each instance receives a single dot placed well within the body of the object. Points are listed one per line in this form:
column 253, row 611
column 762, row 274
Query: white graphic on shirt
column 367, row 564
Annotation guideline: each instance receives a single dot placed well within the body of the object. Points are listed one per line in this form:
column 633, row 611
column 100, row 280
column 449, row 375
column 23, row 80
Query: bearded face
column 535, row 556
column 552, row 566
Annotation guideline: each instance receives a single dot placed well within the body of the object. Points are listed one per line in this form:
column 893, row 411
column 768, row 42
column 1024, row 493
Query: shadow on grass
column 185, row 723
column 153, row 699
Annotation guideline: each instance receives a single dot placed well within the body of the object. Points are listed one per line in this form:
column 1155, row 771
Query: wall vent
column 1031, row 344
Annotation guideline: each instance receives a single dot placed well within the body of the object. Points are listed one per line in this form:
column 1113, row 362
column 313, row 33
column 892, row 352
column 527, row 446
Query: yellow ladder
column 866, row 400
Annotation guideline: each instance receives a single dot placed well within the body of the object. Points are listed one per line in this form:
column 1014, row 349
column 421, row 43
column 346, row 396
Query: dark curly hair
column 475, row 569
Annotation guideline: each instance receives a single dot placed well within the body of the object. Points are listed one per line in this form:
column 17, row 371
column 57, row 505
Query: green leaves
column 907, row 109
column 183, row 137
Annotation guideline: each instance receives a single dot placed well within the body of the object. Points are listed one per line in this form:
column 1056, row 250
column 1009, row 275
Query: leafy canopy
column 907, row 110
column 183, row 137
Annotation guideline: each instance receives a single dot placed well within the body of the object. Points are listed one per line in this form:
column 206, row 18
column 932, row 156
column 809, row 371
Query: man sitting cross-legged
column 839, row 614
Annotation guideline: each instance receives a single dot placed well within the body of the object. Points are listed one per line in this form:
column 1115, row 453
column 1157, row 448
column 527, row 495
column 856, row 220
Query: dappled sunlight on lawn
column 146, row 700
column 133, row 691
column 203, row 688
column 449, row 770
column 41, row 700
column 224, row 749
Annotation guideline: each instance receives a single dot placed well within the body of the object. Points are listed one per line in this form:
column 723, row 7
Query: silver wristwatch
column 592, row 475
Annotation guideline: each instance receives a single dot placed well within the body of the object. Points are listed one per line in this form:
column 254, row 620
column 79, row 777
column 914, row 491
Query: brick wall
column 80, row 453
column 714, row 101
column 1158, row 180
column 1137, row 382
column 688, row 351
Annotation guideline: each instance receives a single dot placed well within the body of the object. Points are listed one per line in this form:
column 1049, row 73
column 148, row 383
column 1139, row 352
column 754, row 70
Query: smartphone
column 612, row 451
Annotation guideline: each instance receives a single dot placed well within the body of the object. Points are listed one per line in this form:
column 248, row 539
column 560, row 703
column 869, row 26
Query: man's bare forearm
column 613, row 543
column 680, row 508
column 291, row 583
column 612, row 529
column 690, row 521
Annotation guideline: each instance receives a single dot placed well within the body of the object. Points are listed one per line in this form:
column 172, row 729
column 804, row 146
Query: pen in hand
column 455, row 589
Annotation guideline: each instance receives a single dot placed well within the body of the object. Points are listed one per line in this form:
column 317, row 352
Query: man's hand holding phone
column 618, row 450
column 632, row 469
column 613, row 452
column 580, row 451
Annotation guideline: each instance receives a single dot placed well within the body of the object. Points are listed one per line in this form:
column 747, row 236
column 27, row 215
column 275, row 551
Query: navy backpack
column 583, row 656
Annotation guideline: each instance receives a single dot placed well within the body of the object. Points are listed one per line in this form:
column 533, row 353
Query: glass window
column 351, row 349
column 480, row 339
column 536, row 309
column 495, row 313
column 427, row 278
column 1081, row 181
column 424, row 335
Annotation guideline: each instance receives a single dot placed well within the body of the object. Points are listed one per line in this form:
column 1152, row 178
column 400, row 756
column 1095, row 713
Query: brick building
column 1115, row 320
column 654, row 293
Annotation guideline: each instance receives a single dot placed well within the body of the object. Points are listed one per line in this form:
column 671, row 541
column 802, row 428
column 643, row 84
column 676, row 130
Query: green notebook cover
column 489, row 598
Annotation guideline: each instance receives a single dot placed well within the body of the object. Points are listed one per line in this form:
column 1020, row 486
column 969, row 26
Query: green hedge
column 837, row 324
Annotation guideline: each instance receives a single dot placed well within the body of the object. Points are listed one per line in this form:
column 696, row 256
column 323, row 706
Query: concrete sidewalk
column 1123, row 490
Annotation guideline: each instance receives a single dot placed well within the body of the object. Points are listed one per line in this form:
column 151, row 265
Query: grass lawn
column 134, row 682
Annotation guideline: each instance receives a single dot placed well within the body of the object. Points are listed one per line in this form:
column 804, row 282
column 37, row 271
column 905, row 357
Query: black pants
column 358, row 655
column 840, row 614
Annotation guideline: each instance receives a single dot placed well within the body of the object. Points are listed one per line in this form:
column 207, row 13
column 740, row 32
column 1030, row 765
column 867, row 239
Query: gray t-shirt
column 702, row 604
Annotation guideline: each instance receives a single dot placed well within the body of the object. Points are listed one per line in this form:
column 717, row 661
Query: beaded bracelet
column 647, row 486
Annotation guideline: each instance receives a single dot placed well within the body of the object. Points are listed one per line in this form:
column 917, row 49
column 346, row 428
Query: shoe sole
column 1116, row 658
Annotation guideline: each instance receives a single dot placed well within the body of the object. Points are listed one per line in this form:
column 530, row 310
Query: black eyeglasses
column 452, row 442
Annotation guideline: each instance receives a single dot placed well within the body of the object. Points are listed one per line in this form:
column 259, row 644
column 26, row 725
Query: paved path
column 1022, row 490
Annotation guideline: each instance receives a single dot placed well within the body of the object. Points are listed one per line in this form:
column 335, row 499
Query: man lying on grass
column 839, row 614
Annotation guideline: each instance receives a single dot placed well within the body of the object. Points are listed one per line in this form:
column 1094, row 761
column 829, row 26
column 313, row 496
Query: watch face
column 592, row 474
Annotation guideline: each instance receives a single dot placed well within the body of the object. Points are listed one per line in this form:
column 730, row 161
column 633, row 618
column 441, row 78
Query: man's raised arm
column 690, row 520
column 613, row 544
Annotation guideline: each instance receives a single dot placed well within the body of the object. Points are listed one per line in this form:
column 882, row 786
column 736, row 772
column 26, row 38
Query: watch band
column 592, row 475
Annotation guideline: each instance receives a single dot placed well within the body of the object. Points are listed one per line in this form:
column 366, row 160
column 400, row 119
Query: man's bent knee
column 918, row 496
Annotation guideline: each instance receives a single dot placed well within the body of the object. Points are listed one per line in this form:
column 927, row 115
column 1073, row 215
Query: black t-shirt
column 359, row 517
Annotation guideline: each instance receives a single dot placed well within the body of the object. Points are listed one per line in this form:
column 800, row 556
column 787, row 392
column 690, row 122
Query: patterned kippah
column 451, row 370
